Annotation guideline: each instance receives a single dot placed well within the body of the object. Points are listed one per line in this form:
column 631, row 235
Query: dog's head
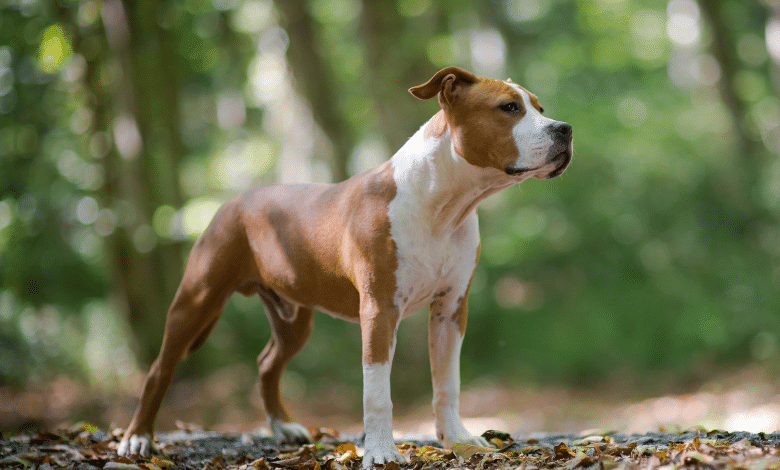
column 499, row 124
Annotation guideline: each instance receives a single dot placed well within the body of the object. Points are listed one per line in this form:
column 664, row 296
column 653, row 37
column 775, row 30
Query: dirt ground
column 84, row 447
column 215, row 423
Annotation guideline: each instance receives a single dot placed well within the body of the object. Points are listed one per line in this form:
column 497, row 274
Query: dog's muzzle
column 559, row 154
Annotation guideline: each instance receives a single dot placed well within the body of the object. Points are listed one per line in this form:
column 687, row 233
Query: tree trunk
column 146, row 95
column 316, row 82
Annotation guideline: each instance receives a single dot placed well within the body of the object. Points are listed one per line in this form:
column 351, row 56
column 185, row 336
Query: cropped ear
column 447, row 80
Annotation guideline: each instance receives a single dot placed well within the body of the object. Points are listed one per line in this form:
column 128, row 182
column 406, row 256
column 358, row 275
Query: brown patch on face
column 482, row 132
column 436, row 126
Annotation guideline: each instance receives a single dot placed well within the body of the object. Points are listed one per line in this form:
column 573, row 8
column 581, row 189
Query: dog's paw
column 461, row 435
column 381, row 454
column 475, row 441
column 135, row 445
column 290, row 432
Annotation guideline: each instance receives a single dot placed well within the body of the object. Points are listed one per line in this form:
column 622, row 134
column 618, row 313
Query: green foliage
column 657, row 251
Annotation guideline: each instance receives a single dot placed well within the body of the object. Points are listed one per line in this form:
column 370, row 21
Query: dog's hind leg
column 212, row 274
column 190, row 319
column 291, row 326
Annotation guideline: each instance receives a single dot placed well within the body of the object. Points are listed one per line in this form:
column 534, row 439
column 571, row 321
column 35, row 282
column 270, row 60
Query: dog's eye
column 510, row 108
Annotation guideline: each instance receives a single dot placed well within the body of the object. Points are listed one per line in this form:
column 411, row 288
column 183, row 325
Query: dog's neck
column 439, row 185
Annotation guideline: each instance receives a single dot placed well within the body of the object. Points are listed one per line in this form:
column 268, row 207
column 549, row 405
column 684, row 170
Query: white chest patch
column 432, row 255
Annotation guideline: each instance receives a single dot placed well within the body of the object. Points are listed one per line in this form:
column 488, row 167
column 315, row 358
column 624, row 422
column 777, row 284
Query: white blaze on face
column 531, row 136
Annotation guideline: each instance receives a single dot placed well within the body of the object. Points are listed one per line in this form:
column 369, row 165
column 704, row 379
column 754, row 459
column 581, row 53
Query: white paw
column 381, row 454
column 475, row 441
column 290, row 432
column 135, row 445
column 460, row 434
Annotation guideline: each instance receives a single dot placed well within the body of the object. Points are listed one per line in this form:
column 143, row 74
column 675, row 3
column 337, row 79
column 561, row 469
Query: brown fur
column 300, row 248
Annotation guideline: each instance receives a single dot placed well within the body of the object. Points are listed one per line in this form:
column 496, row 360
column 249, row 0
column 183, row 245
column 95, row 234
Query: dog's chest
column 431, row 265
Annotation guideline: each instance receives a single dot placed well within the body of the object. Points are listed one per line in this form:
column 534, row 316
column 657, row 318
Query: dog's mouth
column 560, row 162
column 516, row 171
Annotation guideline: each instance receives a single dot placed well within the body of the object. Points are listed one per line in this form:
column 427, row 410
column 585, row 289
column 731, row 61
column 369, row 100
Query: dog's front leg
column 446, row 327
column 378, row 327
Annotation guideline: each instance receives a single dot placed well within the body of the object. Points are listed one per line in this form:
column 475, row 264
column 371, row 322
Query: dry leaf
column 348, row 456
column 467, row 450
column 582, row 460
column 121, row 466
column 259, row 464
column 163, row 463
column 562, row 452
column 529, row 450
column 149, row 466
column 346, row 447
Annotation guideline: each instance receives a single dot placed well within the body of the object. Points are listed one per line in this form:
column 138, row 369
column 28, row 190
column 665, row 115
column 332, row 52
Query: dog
column 373, row 250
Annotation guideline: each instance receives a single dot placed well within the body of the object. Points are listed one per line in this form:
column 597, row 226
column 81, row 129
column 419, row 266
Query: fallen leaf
column 46, row 437
column 259, row 464
column 501, row 440
column 621, row 450
column 218, row 461
column 318, row 434
column 529, row 450
column 562, row 452
column 435, row 454
column 348, row 456
column 346, row 447
column 467, row 450
column 17, row 459
column 73, row 454
column 581, row 459
column 608, row 463
column 121, row 466
column 696, row 458
column 287, row 462
column 744, row 444
column 148, row 466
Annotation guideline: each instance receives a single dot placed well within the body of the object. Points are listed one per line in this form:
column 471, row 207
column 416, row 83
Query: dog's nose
column 560, row 130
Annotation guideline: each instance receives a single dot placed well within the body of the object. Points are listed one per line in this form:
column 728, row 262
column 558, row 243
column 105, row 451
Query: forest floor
column 550, row 427
column 84, row 447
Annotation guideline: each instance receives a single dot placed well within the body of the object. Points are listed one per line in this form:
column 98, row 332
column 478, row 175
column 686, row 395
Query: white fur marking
column 288, row 432
column 378, row 416
column 435, row 237
column 445, row 367
column 531, row 135
column 142, row 446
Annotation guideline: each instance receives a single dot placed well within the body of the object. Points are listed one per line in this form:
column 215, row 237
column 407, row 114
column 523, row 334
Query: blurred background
column 640, row 290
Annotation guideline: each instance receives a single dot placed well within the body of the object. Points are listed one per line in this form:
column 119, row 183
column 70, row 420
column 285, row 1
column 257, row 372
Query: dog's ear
column 447, row 81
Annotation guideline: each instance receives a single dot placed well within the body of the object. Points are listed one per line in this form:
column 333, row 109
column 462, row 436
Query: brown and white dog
column 373, row 250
